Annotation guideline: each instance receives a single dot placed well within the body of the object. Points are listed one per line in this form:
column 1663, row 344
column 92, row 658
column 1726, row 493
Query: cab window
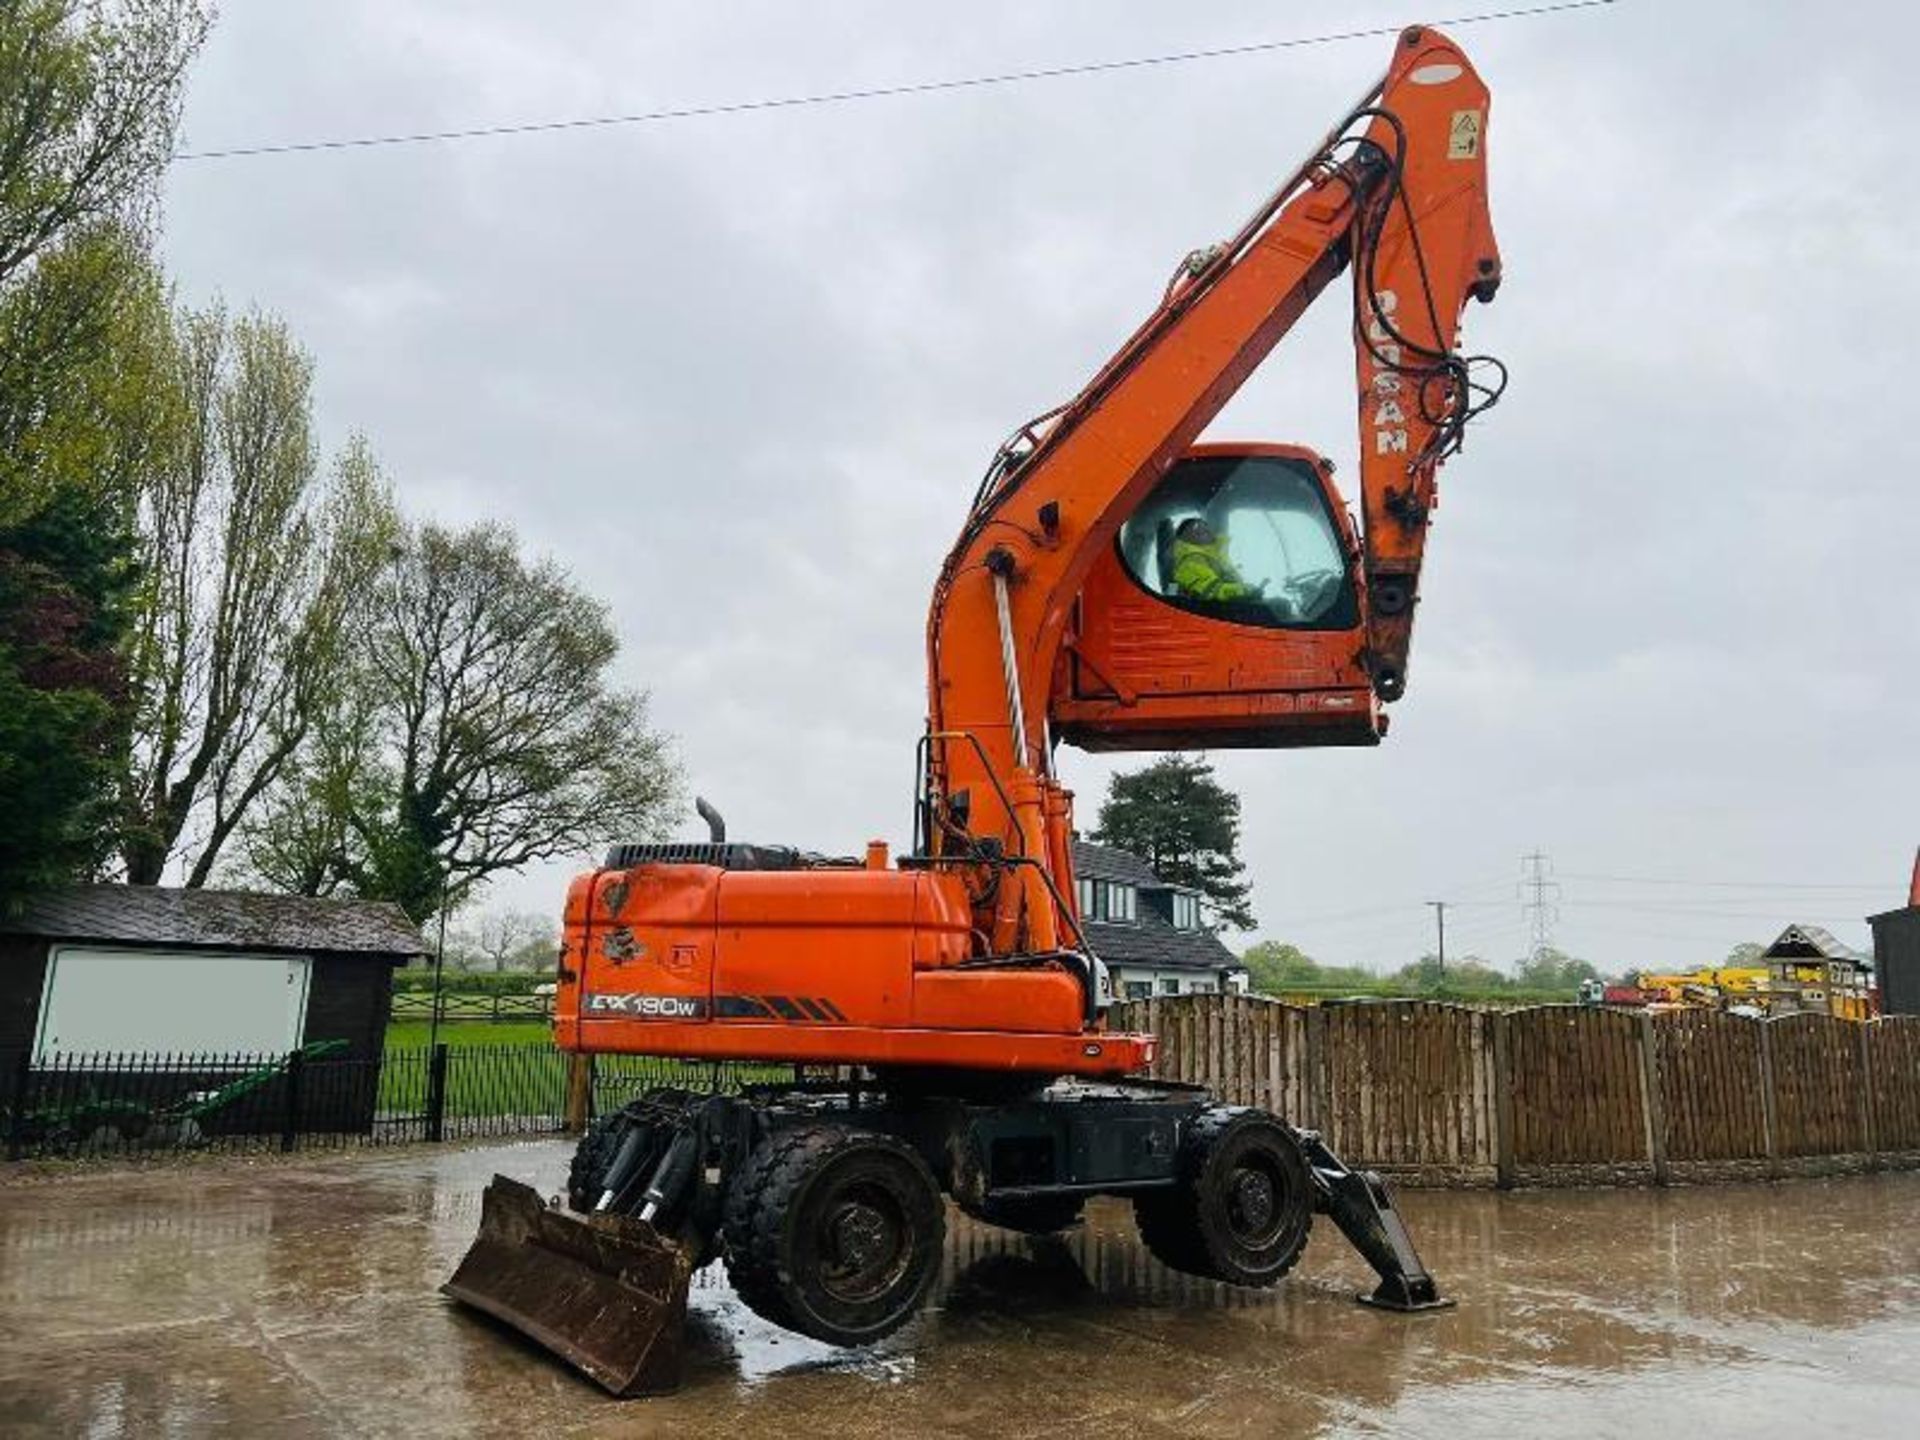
column 1246, row 538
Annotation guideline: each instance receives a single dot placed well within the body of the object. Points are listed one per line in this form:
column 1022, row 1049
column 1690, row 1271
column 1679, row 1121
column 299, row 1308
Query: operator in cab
column 1201, row 569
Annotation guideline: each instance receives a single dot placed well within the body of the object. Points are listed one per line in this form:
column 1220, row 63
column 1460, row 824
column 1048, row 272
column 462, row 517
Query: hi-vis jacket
column 1203, row 572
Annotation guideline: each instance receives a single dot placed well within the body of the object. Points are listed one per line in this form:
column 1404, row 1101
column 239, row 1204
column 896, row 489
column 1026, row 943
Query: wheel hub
column 1251, row 1201
column 863, row 1249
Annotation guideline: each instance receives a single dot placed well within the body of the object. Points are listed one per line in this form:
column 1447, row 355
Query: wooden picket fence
column 1555, row 1093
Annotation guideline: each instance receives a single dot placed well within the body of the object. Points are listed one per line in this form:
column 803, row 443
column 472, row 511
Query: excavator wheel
column 1029, row 1214
column 835, row 1233
column 692, row 1222
column 1244, row 1205
column 587, row 1171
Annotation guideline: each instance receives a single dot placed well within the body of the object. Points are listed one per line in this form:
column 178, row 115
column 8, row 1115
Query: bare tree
column 512, row 939
column 479, row 732
column 254, row 563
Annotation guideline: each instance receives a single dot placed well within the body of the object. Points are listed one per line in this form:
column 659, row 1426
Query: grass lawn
column 511, row 1067
column 530, row 1080
column 409, row 1034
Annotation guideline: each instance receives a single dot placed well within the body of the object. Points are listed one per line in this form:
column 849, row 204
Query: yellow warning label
column 1463, row 136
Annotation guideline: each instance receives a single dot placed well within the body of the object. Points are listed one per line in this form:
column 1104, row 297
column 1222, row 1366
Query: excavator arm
column 1033, row 631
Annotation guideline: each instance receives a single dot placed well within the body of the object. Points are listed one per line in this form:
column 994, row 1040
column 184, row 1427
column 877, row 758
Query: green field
column 408, row 1034
column 513, row 1068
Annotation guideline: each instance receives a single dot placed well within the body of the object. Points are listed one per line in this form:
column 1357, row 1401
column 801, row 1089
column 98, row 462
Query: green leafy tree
column 255, row 558
column 1273, row 966
column 89, row 98
column 1186, row 825
column 64, row 586
column 1460, row 974
column 1550, row 969
column 89, row 101
column 475, row 730
column 1745, row 955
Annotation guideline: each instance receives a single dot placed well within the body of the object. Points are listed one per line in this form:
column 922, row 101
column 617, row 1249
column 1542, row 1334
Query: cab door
column 1228, row 613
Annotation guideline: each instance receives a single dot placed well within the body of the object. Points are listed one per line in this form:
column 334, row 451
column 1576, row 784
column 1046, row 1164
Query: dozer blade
column 607, row 1294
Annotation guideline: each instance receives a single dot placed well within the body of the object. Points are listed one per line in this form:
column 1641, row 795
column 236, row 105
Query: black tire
column 1167, row 1227
column 693, row 1223
column 835, row 1233
column 1029, row 1214
column 587, row 1173
column 1244, row 1206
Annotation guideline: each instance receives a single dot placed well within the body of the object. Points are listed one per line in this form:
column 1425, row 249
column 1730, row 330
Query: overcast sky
column 741, row 375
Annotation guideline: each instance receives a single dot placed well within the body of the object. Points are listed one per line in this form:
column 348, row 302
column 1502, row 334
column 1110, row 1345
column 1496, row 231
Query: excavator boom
column 1040, row 592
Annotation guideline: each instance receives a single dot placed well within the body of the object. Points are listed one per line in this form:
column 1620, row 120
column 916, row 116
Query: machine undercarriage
column 826, row 1202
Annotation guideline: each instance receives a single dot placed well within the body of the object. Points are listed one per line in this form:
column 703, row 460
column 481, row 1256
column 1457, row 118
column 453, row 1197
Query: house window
column 1139, row 989
column 1186, row 911
column 1105, row 900
column 1170, row 986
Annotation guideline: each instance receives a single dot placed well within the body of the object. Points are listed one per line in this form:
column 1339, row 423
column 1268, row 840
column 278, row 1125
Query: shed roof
column 216, row 919
column 1811, row 942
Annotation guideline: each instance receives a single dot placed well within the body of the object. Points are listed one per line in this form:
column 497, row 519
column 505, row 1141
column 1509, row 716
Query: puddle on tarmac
column 301, row 1298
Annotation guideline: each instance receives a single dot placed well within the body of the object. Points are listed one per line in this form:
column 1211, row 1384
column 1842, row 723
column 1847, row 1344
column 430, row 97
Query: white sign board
column 171, row 1001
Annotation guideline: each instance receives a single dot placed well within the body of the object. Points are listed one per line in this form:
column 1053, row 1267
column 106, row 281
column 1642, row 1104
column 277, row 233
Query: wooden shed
column 145, row 970
column 1896, row 952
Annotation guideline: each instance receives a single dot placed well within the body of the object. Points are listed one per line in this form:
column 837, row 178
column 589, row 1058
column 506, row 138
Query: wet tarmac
column 298, row 1298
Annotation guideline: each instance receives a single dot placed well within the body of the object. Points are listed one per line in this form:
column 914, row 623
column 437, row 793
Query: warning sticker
column 1463, row 136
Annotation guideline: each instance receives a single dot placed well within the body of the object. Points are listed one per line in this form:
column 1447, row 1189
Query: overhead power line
column 1880, row 889
column 1682, row 912
column 875, row 92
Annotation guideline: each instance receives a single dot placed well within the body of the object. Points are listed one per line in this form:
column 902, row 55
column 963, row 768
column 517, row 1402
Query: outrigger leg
column 1359, row 1203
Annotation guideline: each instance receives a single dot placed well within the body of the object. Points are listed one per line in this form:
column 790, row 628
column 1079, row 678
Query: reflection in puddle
column 301, row 1299
column 989, row 1274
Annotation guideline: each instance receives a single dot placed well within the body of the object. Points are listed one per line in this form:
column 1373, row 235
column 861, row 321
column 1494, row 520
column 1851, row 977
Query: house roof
column 1151, row 941
column 1810, row 942
column 222, row 919
column 1155, row 943
column 1105, row 862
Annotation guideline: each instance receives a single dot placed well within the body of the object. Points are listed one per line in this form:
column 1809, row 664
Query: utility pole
column 1440, row 921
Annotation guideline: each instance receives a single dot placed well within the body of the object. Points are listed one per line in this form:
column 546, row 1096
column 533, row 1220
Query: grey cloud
column 741, row 375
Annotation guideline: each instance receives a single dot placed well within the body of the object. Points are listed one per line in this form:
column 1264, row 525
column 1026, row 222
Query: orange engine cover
column 831, row 965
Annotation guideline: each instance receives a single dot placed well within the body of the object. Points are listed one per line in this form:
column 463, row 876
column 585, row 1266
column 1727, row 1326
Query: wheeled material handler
column 1118, row 586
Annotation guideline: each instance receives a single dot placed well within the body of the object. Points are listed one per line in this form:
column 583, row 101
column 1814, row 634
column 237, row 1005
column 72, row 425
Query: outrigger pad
column 1359, row 1202
column 607, row 1294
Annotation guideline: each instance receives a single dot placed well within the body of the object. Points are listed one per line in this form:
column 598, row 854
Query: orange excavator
column 1116, row 586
